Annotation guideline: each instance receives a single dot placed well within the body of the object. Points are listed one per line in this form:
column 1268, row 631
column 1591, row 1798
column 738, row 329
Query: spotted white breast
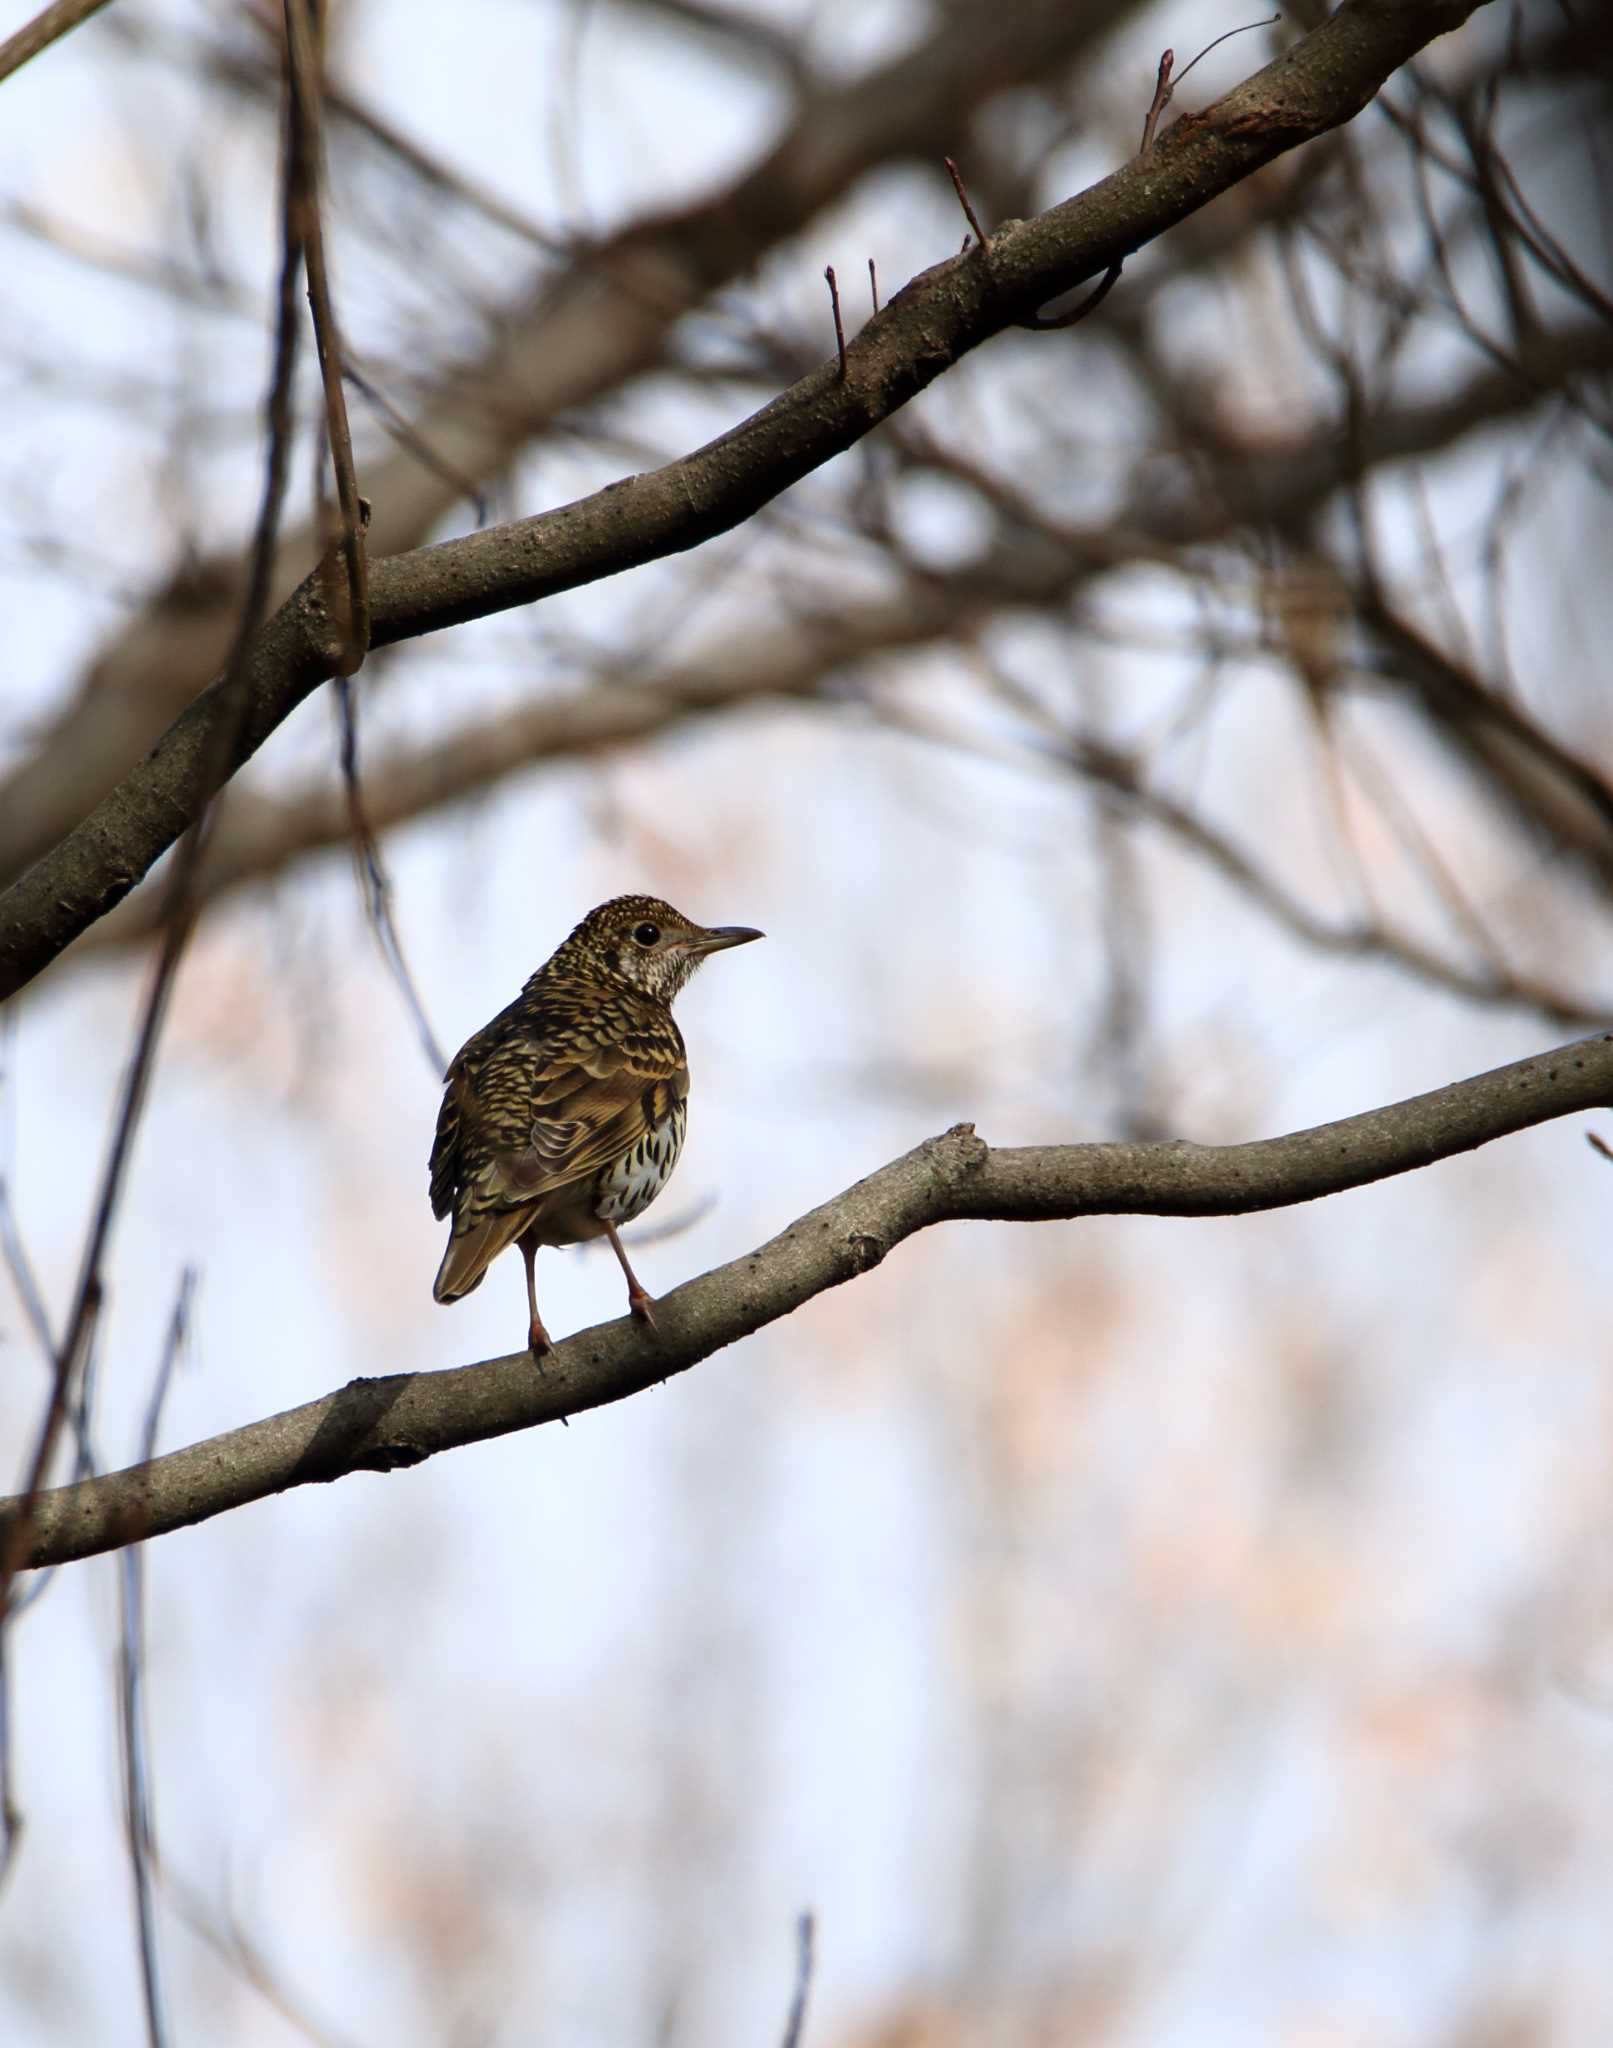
column 628, row 1186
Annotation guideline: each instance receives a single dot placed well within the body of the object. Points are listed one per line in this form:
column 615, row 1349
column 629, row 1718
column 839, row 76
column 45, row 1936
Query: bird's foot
column 538, row 1339
column 642, row 1306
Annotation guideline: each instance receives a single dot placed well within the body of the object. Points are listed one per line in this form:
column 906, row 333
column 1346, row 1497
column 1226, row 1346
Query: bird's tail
column 473, row 1249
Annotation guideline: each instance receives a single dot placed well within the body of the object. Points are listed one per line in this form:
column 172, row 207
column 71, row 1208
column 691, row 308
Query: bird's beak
column 721, row 936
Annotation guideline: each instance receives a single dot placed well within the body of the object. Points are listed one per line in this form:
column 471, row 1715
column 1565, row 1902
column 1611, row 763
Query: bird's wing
column 586, row 1106
column 520, row 1118
column 445, row 1145
column 472, row 1248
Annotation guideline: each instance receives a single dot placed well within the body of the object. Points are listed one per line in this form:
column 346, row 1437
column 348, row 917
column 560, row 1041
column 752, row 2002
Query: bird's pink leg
column 637, row 1300
column 537, row 1336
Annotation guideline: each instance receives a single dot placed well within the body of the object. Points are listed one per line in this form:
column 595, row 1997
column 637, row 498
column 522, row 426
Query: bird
column 563, row 1118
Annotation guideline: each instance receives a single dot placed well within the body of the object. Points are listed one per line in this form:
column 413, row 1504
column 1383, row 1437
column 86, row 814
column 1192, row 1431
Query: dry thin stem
column 11, row 1820
column 1160, row 101
column 375, row 883
column 1048, row 323
column 1244, row 28
column 840, row 331
column 402, row 432
column 351, row 612
column 965, row 202
column 216, row 1924
column 139, row 1827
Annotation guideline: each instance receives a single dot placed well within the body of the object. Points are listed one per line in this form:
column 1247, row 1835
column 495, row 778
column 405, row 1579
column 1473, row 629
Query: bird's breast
column 628, row 1186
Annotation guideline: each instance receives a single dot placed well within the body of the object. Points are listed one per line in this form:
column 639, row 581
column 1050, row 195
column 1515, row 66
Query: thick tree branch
column 942, row 315
column 379, row 1425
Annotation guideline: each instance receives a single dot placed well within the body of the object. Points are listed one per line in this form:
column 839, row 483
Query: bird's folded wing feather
column 531, row 1119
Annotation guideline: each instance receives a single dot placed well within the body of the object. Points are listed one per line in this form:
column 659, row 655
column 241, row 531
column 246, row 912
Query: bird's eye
column 646, row 934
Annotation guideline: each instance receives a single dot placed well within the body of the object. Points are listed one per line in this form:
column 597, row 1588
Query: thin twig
column 1045, row 323
column 408, row 437
column 218, row 1927
column 23, row 1278
column 445, row 181
column 1243, row 29
column 376, row 885
column 350, row 608
column 804, row 1932
column 965, row 202
column 139, row 1827
column 11, row 1821
column 840, row 332
column 1160, row 101
column 350, row 611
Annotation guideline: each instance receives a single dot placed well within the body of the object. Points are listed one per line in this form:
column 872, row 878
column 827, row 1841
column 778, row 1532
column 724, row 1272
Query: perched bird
column 564, row 1117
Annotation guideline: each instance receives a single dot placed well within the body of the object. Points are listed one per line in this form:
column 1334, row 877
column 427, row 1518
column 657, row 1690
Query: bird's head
column 645, row 944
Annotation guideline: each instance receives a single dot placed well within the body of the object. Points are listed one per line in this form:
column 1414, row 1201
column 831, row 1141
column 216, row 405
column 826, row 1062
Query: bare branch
column 382, row 1425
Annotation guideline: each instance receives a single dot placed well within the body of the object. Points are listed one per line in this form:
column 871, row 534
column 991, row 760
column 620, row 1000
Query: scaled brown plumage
column 564, row 1117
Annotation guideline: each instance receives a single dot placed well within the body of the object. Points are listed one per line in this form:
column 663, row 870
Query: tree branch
column 261, row 835
column 937, row 319
column 380, row 1425
column 47, row 27
column 556, row 344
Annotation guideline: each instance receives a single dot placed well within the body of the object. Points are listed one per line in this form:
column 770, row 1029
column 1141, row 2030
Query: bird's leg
column 537, row 1335
column 637, row 1300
